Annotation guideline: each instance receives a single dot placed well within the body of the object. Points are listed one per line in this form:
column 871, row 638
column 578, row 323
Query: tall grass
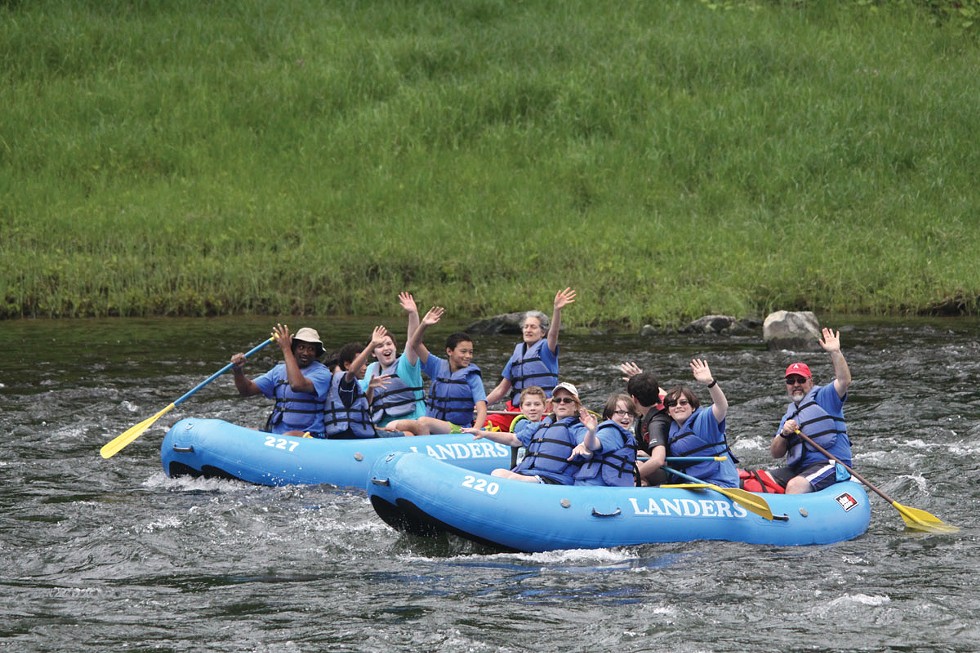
column 667, row 159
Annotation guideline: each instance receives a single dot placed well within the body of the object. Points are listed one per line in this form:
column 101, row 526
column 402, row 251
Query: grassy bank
column 667, row 159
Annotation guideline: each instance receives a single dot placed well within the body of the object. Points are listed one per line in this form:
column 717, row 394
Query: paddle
column 696, row 459
column 751, row 502
column 914, row 518
column 116, row 445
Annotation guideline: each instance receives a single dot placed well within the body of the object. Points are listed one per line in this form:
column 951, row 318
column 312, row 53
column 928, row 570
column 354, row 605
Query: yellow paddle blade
column 751, row 502
column 117, row 444
column 920, row 520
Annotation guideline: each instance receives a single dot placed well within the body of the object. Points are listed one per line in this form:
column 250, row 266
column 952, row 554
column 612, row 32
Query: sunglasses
column 562, row 400
column 795, row 380
column 677, row 402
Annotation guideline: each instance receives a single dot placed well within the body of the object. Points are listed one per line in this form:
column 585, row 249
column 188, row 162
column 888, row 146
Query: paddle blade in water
column 920, row 520
column 117, row 444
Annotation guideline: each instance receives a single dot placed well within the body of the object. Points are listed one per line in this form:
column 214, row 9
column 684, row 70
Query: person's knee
column 798, row 485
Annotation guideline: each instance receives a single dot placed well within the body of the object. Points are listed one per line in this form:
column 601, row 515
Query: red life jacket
column 759, row 480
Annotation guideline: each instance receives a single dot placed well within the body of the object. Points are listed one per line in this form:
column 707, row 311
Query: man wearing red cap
column 817, row 411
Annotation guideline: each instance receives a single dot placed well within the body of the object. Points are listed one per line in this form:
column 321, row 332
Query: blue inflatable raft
column 424, row 496
column 214, row 448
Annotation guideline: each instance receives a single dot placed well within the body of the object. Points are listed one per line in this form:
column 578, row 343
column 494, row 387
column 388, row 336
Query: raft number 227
column 280, row 443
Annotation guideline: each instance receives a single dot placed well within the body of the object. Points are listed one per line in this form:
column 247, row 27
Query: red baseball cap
column 799, row 368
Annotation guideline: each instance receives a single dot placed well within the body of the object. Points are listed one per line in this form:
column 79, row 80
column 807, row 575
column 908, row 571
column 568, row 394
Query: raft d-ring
column 188, row 426
column 358, row 456
column 565, row 503
column 380, row 481
column 179, row 449
column 596, row 513
column 391, row 454
column 803, row 511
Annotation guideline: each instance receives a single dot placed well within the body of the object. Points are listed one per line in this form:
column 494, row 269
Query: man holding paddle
column 817, row 411
column 299, row 384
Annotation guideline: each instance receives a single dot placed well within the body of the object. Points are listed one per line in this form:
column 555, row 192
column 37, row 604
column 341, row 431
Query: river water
column 112, row 555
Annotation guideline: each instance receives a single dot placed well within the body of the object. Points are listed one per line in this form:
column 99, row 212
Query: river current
column 111, row 554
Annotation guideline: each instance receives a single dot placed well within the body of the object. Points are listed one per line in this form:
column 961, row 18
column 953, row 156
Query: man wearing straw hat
column 299, row 384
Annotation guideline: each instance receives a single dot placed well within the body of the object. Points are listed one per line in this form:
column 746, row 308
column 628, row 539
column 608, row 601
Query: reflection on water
column 105, row 554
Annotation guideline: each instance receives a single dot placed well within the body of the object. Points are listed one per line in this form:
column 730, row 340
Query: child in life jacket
column 532, row 411
column 456, row 391
column 551, row 441
column 609, row 452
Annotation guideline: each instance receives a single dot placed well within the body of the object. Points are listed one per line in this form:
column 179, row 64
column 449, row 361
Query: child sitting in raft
column 532, row 411
column 456, row 390
column 610, row 451
column 550, row 443
column 398, row 379
column 346, row 415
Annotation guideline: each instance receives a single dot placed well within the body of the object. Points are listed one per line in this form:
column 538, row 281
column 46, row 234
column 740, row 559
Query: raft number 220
column 480, row 484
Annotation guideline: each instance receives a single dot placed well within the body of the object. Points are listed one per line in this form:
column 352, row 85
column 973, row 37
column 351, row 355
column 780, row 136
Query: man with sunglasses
column 817, row 411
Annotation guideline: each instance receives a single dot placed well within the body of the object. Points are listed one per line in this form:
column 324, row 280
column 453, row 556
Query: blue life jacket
column 828, row 431
column 395, row 399
column 549, row 449
column 527, row 369
column 295, row 411
column 450, row 396
column 684, row 441
column 616, row 468
column 347, row 422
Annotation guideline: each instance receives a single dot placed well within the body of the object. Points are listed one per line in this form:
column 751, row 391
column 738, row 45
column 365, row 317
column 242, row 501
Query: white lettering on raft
column 688, row 508
column 461, row 451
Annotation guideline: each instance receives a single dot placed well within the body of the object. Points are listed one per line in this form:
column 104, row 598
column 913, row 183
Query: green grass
column 667, row 159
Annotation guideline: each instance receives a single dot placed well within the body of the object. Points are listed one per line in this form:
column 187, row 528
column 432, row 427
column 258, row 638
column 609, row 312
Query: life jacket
column 295, row 411
column 339, row 420
column 759, row 480
column 549, row 449
column 684, row 441
column 616, row 468
column 527, row 369
column 394, row 399
column 450, row 396
column 828, row 431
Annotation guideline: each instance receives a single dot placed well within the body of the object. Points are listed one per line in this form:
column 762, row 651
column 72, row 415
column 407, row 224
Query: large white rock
column 795, row 330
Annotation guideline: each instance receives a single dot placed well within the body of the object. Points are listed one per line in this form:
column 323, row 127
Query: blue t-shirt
column 316, row 372
column 432, row 366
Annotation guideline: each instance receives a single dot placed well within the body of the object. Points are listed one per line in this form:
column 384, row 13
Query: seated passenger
column 347, row 415
column 399, row 395
column 551, row 441
column 456, row 388
column 653, row 424
column 533, row 408
column 535, row 359
column 299, row 384
column 700, row 431
column 609, row 452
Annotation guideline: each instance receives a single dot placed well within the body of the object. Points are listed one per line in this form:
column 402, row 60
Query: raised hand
column 433, row 316
column 701, row 371
column 283, row 338
column 407, row 302
column 563, row 298
column 629, row 370
column 378, row 336
column 830, row 340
